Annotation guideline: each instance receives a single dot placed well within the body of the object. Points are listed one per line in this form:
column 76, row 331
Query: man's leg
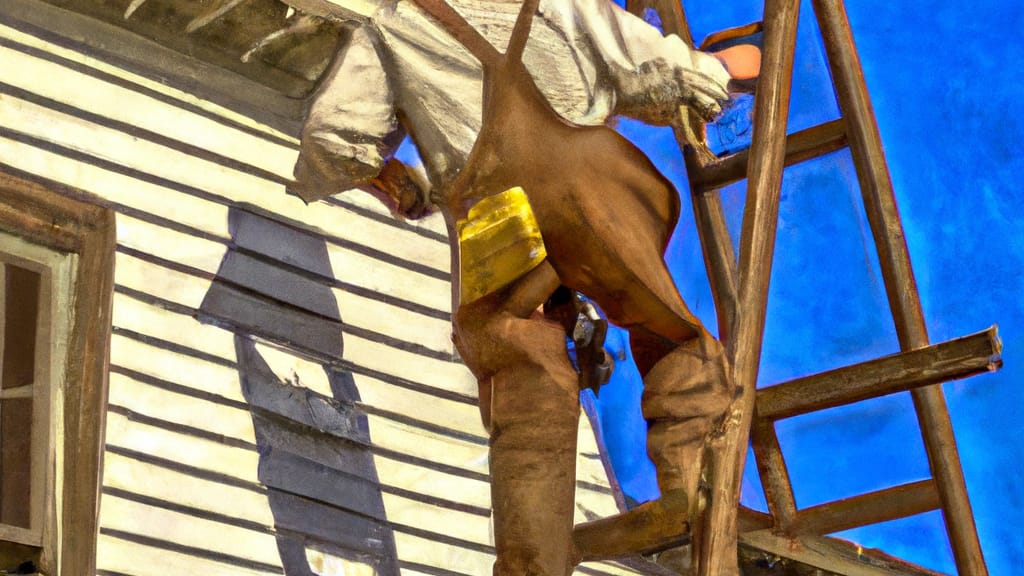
column 533, row 419
column 685, row 390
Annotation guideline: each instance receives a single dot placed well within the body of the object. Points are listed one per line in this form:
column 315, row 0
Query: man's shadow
column 274, row 284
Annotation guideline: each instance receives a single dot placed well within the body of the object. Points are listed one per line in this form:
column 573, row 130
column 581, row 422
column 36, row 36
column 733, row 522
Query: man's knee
column 693, row 381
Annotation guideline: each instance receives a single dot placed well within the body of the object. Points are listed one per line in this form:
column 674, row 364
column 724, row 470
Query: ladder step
column 955, row 359
column 872, row 508
column 800, row 146
column 651, row 527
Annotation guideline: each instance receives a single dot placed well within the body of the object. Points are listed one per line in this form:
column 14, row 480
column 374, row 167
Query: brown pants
column 530, row 403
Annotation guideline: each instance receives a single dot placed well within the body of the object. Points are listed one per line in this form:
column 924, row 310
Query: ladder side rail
column 767, row 155
column 883, row 217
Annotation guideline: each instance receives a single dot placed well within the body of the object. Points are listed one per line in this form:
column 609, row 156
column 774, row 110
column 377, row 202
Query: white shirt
column 589, row 58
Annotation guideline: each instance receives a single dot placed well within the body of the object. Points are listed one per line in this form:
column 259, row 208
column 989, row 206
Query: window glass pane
column 21, row 311
column 16, row 451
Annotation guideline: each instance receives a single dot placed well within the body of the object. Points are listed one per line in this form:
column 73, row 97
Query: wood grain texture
column 901, row 287
column 952, row 360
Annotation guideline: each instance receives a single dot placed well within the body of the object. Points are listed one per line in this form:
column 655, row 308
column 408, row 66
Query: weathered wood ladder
column 741, row 290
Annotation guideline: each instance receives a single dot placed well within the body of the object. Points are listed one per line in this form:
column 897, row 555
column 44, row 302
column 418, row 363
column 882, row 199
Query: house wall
column 284, row 396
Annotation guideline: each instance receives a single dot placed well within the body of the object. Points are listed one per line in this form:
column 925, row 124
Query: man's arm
column 352, row 131
column 653, row 75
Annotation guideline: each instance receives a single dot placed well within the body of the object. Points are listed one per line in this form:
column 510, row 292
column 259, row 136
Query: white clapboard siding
column 162, row 201
column 188, row 530
column 410, row 513
column 181, row 487
column 120, row 556
column 359, row 311
column 182, row 409
column 242, row 464
column 348, row 266
column 211, row 217
column 186, row 331
column 166, row 484
column 201, row 453
column 143, row 82
column 235, row 423
column 133, row 151
column 458, row 415
column 51, row 80
column 420, row 550
column 179, row 329
column 413, row 478
column 179, row 369
column 438, row 374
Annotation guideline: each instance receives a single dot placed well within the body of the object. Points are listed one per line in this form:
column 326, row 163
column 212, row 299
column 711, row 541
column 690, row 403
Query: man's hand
column 402, row 190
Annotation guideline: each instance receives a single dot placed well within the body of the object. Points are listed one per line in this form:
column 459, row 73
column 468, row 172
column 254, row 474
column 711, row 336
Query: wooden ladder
column 740, row 288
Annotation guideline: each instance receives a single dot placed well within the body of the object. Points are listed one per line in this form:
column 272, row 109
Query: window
column 56, row 274
column 35, row 288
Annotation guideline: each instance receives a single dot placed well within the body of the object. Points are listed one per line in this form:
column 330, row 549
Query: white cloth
column 589, row 58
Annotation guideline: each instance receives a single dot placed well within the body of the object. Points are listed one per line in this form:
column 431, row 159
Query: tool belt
column 499, row 242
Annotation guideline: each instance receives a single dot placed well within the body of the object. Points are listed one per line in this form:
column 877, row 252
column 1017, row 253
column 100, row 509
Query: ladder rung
column 829, row 555
column 651, row 527
column 872, row 508
column 750, row 520
column 959, row 358
column 800, row 146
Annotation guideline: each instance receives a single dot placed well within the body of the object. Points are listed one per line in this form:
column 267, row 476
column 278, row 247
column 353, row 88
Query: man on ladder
column 590, row 60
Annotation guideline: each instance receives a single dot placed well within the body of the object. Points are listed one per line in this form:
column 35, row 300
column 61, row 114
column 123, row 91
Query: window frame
column 63, row 219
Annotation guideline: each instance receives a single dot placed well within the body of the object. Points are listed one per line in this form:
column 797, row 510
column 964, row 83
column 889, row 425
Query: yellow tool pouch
column 499, row 242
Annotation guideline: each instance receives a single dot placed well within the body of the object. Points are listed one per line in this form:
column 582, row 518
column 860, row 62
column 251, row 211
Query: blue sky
column 944, row 79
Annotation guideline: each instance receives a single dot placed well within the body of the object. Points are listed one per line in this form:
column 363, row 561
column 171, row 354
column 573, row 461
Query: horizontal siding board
column 178, row 369
column 361, row 356
column 206, row 256
column 181, row 409
column 187, row 450
column 335, row 453
column 122, row 472
column 128, row 150
column 118, row 188
column 428, row 552
column 288, row 472
column 335, row 526
column 328, row 415
column 198, row 254
column 452, row 523
column 250, row 314
column 118, row 555
column 420, row 405
column 135, row 518
column 418, row 479
column 214, row 180
column 269, row 278
column 441, row 375
column 187, row 286
column 432, row 409
column 132, row 190
column 50, row 79
column 159, row 88
column 140, row 317
column 366, row 204
column 405, row 439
